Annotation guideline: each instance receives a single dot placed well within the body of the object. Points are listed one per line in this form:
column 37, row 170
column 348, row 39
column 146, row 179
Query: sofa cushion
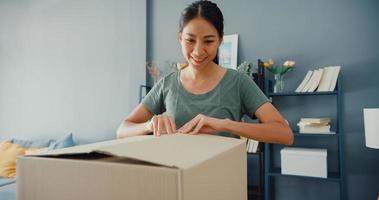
column 6, row 181
column 28, row 144
column 9, row 153
column 8, row 192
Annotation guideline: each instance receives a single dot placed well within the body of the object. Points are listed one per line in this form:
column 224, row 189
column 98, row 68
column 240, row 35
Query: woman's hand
column 162, row 124
column 202, row 124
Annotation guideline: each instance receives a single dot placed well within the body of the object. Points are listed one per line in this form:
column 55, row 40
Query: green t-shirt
column 235, row 95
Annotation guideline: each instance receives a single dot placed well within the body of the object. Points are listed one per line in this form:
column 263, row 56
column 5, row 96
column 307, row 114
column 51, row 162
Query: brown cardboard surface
column 65, row 179
column 224, row 177
column 174, row 166
column 87, row 148
column 178, row 150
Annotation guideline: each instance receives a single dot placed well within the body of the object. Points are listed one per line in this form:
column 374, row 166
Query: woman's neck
column 202, row 73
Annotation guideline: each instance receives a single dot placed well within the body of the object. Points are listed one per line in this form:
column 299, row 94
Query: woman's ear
column 180, row 36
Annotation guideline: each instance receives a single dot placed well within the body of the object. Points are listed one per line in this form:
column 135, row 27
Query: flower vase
column 279, row 83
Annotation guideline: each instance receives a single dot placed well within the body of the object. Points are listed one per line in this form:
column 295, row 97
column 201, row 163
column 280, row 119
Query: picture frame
column 228, row 50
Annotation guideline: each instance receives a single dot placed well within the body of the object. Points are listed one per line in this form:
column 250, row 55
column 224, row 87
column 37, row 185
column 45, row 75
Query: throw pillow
column 32, row 144
column 64, row 142
column 9, row 153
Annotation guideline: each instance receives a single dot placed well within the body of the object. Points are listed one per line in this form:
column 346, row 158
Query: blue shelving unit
column 272, row 172
column 255, row 191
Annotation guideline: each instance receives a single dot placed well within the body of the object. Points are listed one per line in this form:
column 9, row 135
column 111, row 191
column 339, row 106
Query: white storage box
column 304, row 161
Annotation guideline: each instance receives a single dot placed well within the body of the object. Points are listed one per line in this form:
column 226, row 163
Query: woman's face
column 200, row 41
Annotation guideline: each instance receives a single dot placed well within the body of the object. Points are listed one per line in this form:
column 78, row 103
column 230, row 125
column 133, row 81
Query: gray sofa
column 7, row 185
column 7, row 189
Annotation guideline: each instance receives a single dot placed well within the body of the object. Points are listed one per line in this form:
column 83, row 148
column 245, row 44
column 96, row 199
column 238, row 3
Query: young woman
column 204, row 97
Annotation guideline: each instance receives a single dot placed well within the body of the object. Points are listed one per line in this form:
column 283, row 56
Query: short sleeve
column 252, row 96
column 154, row 101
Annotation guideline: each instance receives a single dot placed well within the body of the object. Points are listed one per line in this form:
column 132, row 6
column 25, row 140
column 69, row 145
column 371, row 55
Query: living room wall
column 70, row 66
column 314, row 34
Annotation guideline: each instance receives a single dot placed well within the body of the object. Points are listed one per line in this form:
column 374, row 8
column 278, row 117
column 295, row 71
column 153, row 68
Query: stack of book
column 315, row 125
column 252, row 146
column 320, row 80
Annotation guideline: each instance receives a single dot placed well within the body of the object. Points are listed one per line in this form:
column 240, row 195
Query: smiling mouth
column 198, row 61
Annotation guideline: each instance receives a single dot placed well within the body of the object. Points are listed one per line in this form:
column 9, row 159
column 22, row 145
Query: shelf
column 309, row 140
column 301, row 93
column 332, row 176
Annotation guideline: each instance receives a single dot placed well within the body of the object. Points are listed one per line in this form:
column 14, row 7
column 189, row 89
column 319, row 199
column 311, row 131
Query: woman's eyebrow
column 207, row 36
column 191, row 35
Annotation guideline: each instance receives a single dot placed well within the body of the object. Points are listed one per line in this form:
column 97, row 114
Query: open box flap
column 174, row 150
column 89, row 148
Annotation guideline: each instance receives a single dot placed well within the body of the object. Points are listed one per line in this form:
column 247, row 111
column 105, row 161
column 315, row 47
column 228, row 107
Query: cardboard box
column 304, row 161
column 177, row 166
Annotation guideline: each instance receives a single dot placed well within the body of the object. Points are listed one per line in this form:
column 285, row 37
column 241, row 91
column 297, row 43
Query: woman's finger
column 173, row 125
column 198, row 126
column 167, row 124
column 185, row 126
column 160, row 126
column 189, row 125
column 154, row 121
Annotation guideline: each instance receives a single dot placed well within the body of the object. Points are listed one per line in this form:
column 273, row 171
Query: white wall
column 69, row 66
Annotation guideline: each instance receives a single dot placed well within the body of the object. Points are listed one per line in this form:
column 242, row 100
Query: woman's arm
column 272, row 129
column 136, row 123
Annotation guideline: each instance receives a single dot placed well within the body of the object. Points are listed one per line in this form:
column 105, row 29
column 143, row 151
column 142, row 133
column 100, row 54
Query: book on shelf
column 333, row 82
column 329, row 80
column 309, row 82
column 320, row 80
column 316, row 120
column 305, row 81
column 314, row 125
column 326, row 80
column 315, row 78
column 252, row 146
column 316, row 81
column 316, row 132
column 321, row 129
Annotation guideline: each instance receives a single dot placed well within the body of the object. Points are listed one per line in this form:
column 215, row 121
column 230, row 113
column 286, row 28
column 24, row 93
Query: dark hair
column 206, row 10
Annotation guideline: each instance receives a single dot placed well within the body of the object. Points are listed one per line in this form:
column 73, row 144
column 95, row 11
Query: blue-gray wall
column 69, row 66
column 314, row 34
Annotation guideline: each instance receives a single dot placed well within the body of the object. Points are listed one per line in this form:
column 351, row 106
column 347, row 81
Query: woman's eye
column 209, row 41
column 190, row 40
